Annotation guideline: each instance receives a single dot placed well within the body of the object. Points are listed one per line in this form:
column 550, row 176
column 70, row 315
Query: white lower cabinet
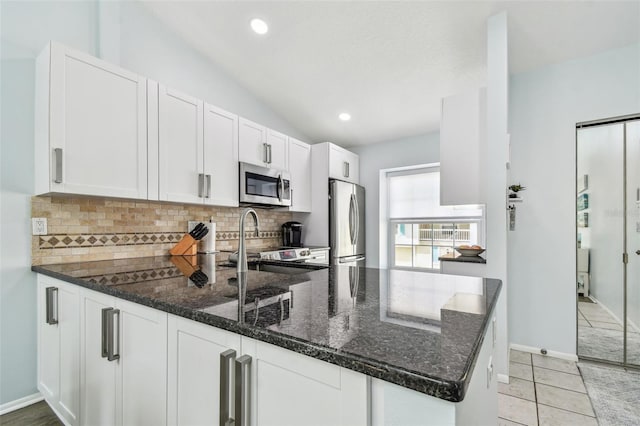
column 59, row 344
column 194, row 351
column 281, row 387
column 123, row 362
column 287, row 388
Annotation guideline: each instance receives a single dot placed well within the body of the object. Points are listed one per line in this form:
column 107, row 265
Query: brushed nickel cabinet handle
column 265, row 152
column 113, row 345
column 52, row 305
column 201, row 185
column 208, row 186
column 243, row 391
column 104, row 335
column 227, row 360
column 57, row 152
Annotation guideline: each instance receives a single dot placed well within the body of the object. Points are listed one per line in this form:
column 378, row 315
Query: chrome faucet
column 242, row 249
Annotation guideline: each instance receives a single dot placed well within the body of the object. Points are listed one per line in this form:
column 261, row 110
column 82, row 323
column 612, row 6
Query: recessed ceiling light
column 259, row 26
column 345, row 116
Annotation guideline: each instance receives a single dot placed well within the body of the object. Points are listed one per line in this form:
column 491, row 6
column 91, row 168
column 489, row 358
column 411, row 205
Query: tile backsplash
column 90, row 228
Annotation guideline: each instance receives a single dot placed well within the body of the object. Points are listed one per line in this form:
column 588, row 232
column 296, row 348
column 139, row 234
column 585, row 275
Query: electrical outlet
column 39, row 226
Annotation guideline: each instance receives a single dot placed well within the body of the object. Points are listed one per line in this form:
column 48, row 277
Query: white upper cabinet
column 343, row 164
column 463, row 148
column 278, row 146
column 252, row 142
column 221, row 156
column 262, row 146
column 300, row 170
column 198, row 151
column 181, row 148
column 91, row 128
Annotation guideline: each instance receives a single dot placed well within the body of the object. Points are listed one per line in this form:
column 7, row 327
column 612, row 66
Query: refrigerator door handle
column 357, row 219
column 352, row 219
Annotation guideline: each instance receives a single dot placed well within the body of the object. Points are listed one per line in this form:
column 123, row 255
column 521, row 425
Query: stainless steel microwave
column 262, row 185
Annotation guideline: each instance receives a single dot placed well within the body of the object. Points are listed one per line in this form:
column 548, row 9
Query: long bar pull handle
column 265, row 152
column 200, row 185
column 269, row 150
column 52, row 305
column 356, row 219
column 345, row 168
column 113, row 340
column 352, row 219
column 227, row 358
column 243, row 391
column 104, row 335
column 208, row 186
column 57, row 152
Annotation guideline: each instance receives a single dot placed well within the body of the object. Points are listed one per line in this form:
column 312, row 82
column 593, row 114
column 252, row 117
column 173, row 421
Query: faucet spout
column 242, row 248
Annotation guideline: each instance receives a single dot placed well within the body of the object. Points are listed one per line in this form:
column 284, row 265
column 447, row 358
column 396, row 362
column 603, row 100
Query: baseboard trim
column 503, row 378
column 553, row 354
column 20, row 403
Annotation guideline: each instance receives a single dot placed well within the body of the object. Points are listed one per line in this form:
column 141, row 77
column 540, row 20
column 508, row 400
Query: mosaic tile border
column 129, row 239
column 121, row 278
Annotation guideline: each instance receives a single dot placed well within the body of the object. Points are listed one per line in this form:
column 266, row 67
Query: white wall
column 149, row 49
column 409, row 151
column 545, row 105
column 140, row 43
column 26, row 27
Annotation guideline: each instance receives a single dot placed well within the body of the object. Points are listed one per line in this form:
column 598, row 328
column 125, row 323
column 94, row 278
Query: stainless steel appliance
column 346, row 223
column 292, row 234
column 285, row 260
column 264, row 186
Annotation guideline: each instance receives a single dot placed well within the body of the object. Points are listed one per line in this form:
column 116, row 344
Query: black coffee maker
column 292, row 234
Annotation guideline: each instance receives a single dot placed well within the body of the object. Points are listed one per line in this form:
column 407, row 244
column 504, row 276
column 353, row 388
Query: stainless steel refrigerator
column 346, row 223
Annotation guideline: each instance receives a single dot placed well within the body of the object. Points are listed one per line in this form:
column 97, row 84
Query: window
column 420, row 229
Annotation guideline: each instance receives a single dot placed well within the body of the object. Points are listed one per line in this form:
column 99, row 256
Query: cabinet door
column 343, row 165
column 194, row 371
column 252, row 137
column 48, row 347
column 278, row 150
column 181, row 154
column 97, row 117
column 141, row 387
column 300, row 169
column 59, row 347
column 221, row 156
column 98, row 388
column 332, row 395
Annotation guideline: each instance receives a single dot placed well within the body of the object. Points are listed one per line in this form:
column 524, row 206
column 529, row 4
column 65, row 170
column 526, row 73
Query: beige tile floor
column 543, row 391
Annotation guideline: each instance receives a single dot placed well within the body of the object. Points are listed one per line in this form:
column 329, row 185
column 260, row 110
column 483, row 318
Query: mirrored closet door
column 608, row 240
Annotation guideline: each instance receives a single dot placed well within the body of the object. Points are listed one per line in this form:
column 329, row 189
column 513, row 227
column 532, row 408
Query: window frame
column 391, row 222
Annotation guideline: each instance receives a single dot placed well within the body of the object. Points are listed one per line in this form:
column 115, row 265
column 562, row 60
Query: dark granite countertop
column 451, row 257
column 418, row 330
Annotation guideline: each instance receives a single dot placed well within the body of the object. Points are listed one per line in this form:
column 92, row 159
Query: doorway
column 608, row 240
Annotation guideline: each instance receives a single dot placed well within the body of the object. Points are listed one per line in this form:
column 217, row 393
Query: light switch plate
column 39, row 226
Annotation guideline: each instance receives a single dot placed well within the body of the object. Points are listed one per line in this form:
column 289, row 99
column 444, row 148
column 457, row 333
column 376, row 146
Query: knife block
column 187, row 246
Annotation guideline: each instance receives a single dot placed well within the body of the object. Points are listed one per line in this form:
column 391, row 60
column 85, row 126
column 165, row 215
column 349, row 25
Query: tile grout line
column 569, row 411
column 535, row 390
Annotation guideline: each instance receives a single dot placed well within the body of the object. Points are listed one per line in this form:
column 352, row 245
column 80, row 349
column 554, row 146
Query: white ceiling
column 387, row 63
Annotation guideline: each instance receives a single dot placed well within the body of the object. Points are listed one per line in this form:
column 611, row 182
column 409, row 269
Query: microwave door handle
column 278, row 186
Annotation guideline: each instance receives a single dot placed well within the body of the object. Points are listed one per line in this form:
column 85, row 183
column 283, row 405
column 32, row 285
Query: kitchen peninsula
column 363, row 345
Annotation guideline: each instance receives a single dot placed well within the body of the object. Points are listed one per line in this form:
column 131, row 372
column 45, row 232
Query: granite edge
column 449, row 390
